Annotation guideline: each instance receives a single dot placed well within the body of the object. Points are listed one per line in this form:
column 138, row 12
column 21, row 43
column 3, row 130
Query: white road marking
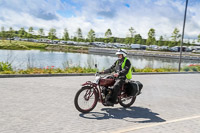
column 151, row 125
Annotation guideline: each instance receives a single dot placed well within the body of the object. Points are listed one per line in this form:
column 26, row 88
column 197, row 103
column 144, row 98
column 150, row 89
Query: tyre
column 86, row 99
column 127, row 101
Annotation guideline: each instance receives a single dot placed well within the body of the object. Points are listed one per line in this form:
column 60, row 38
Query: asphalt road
column 169, row 103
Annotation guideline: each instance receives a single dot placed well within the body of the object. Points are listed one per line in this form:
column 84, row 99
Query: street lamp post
column 179, row 67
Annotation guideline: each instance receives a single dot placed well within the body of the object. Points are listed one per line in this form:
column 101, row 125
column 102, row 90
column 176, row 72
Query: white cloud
column 162, row 15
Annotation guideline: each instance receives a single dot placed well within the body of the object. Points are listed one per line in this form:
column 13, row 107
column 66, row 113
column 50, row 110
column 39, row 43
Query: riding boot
column 108, row 103
column 108, row 99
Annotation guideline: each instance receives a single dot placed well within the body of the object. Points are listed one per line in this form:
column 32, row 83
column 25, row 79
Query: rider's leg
column 118, row 84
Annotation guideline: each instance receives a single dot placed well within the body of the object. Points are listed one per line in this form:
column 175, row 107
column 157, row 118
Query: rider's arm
column 111, row 69
column 126, row 68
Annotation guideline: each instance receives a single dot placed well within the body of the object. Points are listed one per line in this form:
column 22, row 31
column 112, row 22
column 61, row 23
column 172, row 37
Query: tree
column 52, row 34
column 198, row 38
column 193, row 41
column 79, row 34
column 75, row 38
column 161, row 41
column 128, row 40
column 132, row 32
column 22, row 32
column 112, row 39
column 151, row 37
column 108, row 33
column 11, row 33
column 66, row 34
column 41, row 32
column 137, row 39
column 188, row 43
column 118, row 40
column 175, row 37
column 2, row 33
column 30, row 32
column 91, row 35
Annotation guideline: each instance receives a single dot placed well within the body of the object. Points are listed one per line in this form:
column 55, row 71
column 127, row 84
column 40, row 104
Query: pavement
column 169, row 103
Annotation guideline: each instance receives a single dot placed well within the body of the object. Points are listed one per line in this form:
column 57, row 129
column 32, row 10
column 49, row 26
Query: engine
column 105, row 92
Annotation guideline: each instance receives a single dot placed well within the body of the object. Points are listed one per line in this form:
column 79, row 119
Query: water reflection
column 21, row 59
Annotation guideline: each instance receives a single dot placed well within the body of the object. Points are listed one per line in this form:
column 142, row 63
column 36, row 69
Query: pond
column 21, row 59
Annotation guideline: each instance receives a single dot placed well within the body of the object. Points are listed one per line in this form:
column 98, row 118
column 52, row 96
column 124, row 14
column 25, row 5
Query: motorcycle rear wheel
column 127, row 101
column 86, row 99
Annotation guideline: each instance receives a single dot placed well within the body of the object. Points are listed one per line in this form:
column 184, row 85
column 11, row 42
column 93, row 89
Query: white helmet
column 121, row 51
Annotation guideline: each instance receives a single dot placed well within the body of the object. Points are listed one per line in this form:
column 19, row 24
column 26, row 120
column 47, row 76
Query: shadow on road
column 132, row 114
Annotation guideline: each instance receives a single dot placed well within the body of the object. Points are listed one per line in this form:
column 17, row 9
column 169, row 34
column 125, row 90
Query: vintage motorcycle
column 92, row 92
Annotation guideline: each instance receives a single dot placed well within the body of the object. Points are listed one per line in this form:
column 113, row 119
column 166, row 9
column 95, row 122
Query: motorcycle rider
column 122, row 69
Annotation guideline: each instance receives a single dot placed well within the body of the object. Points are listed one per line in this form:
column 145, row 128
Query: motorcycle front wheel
column 86, row 99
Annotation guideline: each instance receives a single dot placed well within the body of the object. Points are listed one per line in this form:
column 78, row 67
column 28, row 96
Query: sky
column 118, row 15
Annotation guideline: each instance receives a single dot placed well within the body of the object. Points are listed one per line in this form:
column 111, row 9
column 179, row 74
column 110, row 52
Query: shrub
column 133, row 69
column 147, row 69
column 194, row 69
column 7, row 72
column 186, row 69
column 5, row 66
column 198, row 68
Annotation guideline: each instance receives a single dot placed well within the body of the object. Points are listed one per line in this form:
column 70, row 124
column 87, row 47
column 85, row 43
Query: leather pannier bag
column 133, row 88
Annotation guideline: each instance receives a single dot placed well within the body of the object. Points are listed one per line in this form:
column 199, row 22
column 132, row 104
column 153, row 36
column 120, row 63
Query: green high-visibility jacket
column 129, row 74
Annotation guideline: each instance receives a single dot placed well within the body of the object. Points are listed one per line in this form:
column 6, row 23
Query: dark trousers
column 116, row 88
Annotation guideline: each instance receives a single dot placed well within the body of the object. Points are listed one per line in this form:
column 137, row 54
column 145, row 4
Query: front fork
column 95, row 90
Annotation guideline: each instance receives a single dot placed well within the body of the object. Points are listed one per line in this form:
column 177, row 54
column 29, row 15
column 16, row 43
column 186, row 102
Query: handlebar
column 112, row 75
column 107, row 75
column 98, row 73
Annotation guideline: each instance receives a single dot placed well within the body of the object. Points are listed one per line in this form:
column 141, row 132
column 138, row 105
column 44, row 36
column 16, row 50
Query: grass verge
column 24, row 45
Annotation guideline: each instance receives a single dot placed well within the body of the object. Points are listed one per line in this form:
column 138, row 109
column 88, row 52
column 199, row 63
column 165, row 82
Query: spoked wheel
column 126, row 101
column 86, row 99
